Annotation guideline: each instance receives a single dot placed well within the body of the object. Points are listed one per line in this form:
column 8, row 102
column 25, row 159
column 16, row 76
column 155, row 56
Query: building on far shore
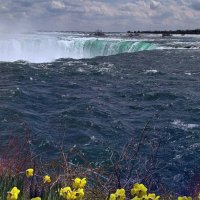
column 166, row 34
column 98, row 33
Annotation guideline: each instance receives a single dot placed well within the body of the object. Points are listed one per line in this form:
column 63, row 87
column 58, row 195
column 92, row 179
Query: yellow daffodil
column 36, row 198
column 69, row 194
column 151, row 197
column 184, row 198
column 112, row 197
column 199, row 196
column 80, row 194
column 79, row 183
column 118, row 195
column 13, row 194
column 47, row 179
column 138, row 190
column 66, row 193
column 73, row 195
column 64, row 190
column 29, row 172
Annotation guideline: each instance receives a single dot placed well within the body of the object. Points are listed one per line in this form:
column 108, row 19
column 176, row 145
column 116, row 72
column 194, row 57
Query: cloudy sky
column 108, row 15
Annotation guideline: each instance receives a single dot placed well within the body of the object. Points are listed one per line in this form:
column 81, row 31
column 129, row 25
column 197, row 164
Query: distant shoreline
column 182, row 32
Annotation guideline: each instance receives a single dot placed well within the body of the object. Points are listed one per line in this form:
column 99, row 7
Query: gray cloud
column 195, row 5
column 108, row 15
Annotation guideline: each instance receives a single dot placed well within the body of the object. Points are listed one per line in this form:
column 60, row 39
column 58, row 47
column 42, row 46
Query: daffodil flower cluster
column 77, row 193
column 139, row 192
column 14, row 192
column 30, row 173
column 118, row 195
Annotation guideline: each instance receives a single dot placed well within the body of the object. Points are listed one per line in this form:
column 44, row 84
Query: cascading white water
column 46, row 48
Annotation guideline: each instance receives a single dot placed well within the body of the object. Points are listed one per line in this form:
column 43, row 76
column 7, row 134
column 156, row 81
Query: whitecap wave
column 151, row 71
column 181, row 125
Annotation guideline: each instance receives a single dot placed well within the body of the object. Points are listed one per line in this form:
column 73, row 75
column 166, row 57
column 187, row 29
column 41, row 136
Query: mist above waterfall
column 41, row 47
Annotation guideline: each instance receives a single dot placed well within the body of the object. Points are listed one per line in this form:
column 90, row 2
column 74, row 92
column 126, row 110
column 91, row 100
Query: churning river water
column 100, row 92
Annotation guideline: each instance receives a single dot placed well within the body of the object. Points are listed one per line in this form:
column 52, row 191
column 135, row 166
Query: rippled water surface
column 100, row 103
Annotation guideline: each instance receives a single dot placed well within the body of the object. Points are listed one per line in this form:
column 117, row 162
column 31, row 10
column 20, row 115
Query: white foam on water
column 181, row 125
column 81, row 70
column 151, row 71
column 188, row 73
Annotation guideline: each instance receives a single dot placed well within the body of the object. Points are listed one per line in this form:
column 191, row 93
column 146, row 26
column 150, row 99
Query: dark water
column 100, row 103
